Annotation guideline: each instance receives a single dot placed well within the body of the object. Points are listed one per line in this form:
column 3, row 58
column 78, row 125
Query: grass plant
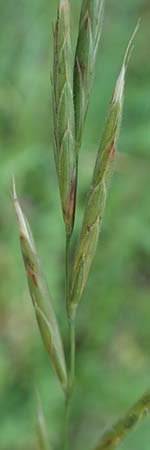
column 71, row 89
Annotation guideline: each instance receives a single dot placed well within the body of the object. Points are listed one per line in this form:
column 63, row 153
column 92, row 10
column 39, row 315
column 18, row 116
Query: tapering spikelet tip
column 119, row 89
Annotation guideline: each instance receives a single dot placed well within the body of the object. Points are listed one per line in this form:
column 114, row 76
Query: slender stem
column 66, row 424
column 72, row 347
column 72, row 354
column 67, row 401
column 71, row 322
column 70, row 382
column 68, row 238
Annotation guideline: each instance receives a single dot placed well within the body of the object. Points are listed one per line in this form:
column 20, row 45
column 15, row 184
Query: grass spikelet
column 88, row 39
column 97, row 194
column 40, row 297
column 111, row 439
column 63, row 114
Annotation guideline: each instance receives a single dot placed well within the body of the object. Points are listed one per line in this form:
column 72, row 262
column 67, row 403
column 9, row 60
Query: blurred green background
column 113, row 327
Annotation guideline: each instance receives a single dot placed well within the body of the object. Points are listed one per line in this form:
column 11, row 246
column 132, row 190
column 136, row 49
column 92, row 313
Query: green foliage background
column 114, row 318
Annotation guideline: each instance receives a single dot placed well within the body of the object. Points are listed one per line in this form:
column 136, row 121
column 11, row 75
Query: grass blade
column 111, row 439
column 40, row 297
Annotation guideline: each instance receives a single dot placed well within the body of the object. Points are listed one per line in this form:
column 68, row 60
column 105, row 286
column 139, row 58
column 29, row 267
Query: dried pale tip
column 14, row 189
column 20, row 217
column 118, row 93
column 63, row 4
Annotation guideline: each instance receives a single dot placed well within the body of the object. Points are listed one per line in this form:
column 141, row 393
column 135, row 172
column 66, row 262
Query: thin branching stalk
column 66, row 424
column 42, row 435
column 67, row 269
column 71, row 370
column 71, row 379
column 72, row 353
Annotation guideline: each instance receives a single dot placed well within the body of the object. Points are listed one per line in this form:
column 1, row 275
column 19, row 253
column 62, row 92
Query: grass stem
column 66, row 423
column 70, row 383
column 68, row 239
column 71, row 375
column 72, row 353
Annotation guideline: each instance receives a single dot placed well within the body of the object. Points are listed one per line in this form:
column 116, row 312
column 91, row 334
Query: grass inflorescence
column 71, row 89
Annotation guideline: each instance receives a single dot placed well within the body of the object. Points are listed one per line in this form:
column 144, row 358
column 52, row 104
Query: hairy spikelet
column 88, row 39
column 63, row 114
column 111, row 439
column 97, row 195
column 40, row 297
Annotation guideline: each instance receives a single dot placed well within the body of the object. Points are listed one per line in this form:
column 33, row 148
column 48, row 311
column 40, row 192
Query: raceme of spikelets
column 69, row 112
column 40, row 297
column 63, row 115
column 88, row 39
column 98, row 191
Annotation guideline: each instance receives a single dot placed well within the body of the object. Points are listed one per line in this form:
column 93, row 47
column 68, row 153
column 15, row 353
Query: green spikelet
column 63, row 114
column 88, row 39
column 97, row 195
column 111, row 439
column 40, row 297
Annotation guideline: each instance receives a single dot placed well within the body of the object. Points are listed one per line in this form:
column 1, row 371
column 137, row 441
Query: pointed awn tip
column 14, row 194
column 22, row 222
column 130, row 46
column 119, row 89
